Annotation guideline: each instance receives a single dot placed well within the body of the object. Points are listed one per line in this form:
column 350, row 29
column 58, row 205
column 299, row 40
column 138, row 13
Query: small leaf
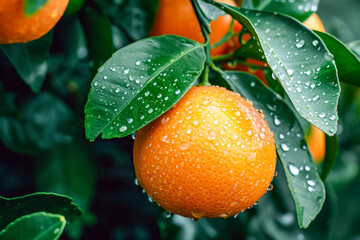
column 304, row 183
column 40, row 226
column 299, row 9
column 139, row 83
column 30, row 60
column 300, row 60
column 99, row 36
column 13, row 208
column 347, row 63
column 31, row 6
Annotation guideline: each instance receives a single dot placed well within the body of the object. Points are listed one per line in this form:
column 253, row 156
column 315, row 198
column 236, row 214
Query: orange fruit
column 178, row 17
column 17, row 27
column 316, row 142
column 211, row 155
column 314, row 23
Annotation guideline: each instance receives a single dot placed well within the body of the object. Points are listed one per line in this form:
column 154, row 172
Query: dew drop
column 177, row 91
column 293, row 169
column 300, row 43
column 285, row 147
column 277, row 121
column 311, row 182
column 137, row 63
column 322, row 115
column 315, row 43
column 290, row 72
column 150, row 199
column 136, row 182
column 168, row 214
column 123, row 128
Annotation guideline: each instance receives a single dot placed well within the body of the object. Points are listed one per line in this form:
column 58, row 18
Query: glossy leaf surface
column 36, row 226
column 300, row 60
column 139, row 83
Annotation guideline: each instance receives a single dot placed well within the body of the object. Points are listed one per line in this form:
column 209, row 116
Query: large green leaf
column 31, row 6
column 36, row 226
column 13, row 208
column 300, row 60
column 30, row 60
column 139, row 83
column 305, row 185
column 299, row 9
column 42, row 123
column 347, row 63
column 355, row 47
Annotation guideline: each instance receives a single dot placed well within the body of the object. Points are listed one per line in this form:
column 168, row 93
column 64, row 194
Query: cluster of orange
column 212, row 154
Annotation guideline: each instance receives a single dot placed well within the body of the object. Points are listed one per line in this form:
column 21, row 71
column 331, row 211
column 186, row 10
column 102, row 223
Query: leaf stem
column 205, row 29
column 205, row 77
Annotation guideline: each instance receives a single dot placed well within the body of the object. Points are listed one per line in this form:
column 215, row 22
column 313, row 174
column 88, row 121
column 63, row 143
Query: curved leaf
column 99, row 36
column 38, row 226
column 299, row 9
column 347, row 63
column 304, row 183
column 139, row 83
column 300, row 60
column 355, row 47
column 13, row 208
column 30, row 60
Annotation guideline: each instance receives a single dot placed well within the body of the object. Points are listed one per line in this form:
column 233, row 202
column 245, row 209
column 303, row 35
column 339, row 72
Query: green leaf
column 249, row 49
column 99, row 36
column 69, row 170
column 31, row 6
column 13, row 208
column 139, row 83
column 299, row 9
column 347, row 63
column 304, row 183
column 36, row 226
column 42, row 123
column 355, row 47
column 331, row 153
column 133, row 16
column 300, row 60
column 30, row 60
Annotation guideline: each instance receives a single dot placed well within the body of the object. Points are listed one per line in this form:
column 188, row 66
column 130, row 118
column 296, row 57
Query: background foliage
column 43, row 146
